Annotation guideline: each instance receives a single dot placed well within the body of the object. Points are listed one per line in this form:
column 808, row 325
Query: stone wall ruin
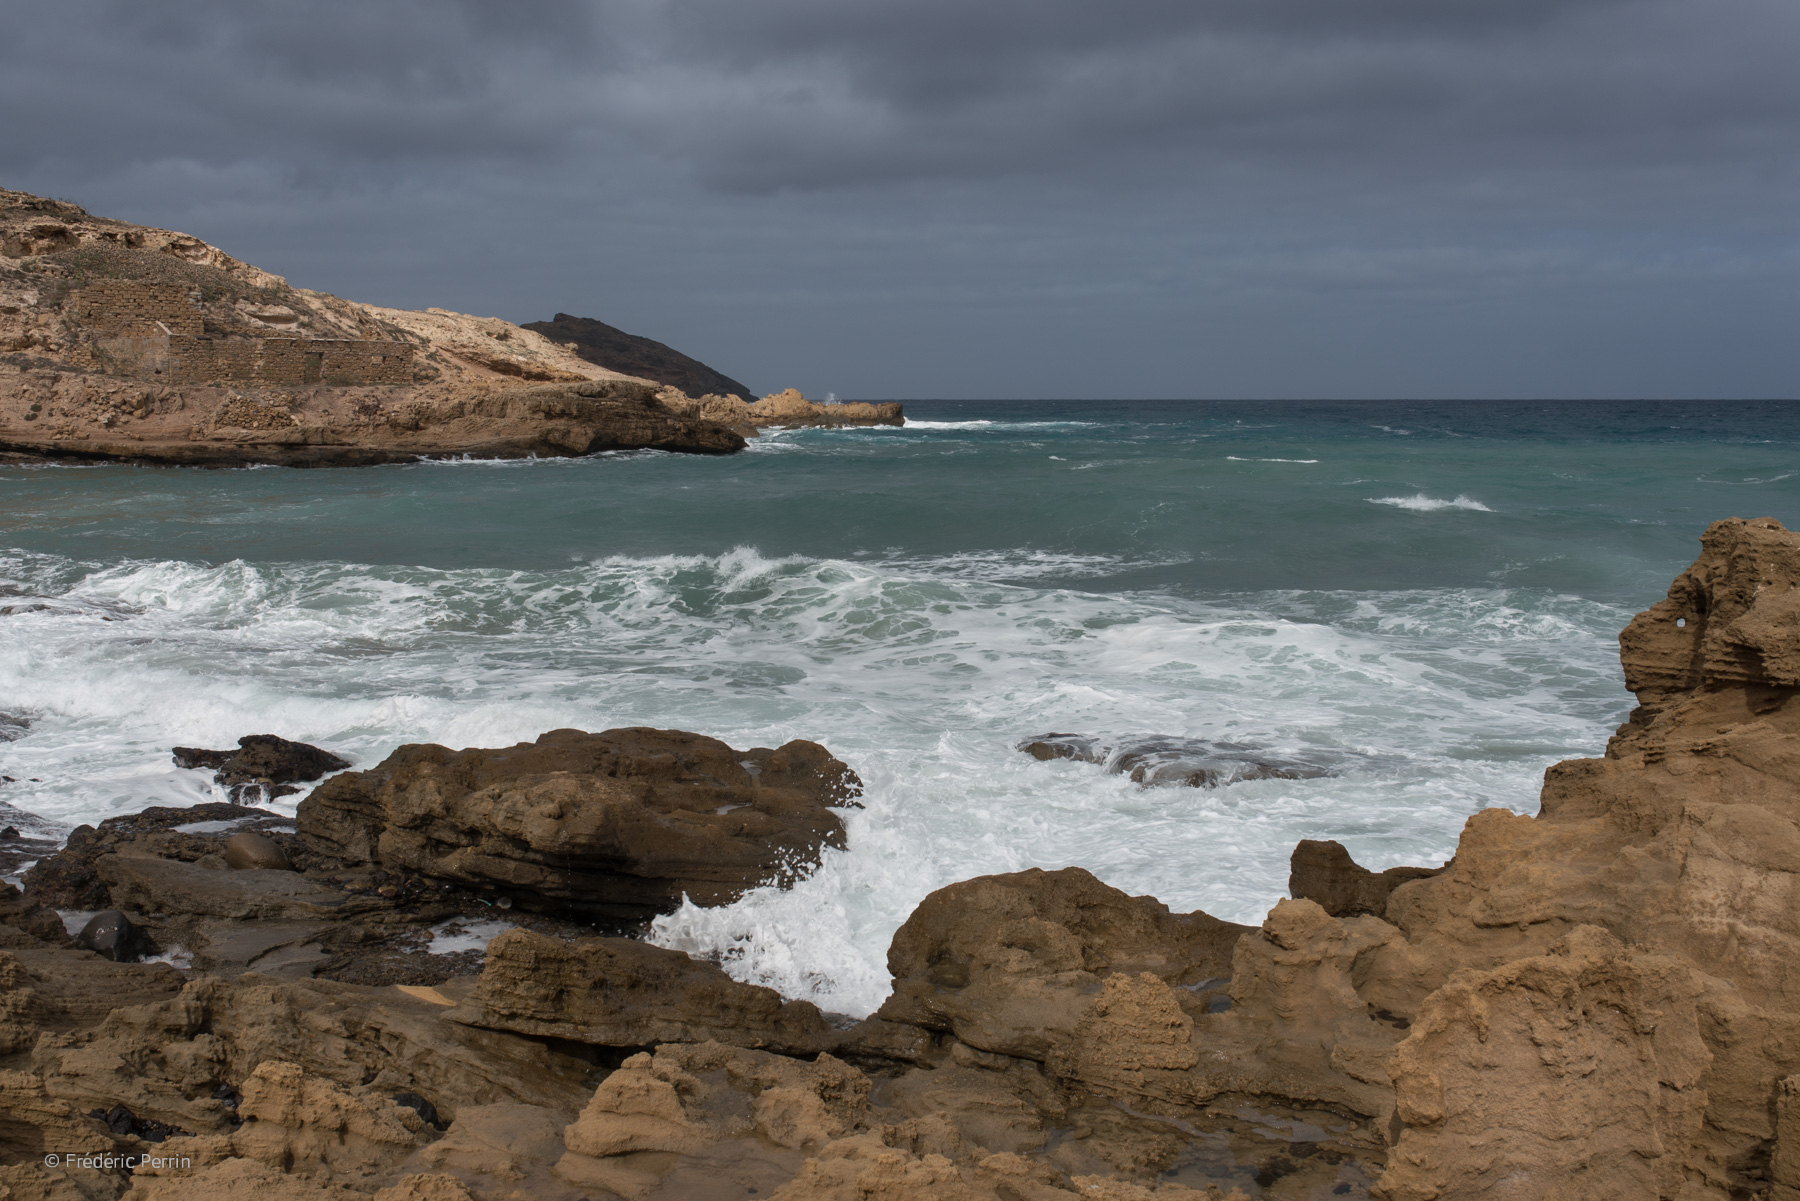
column 130, row 308
column 198, row 360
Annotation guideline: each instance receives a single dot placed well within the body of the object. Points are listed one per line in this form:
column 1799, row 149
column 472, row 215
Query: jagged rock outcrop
column 1576, row 1074
column 619, row 824
column 1682, row 843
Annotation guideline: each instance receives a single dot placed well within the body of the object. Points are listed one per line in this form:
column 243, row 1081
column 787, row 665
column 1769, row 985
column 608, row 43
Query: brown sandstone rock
column 1576, row 1074
column 251, row 850
column 153, row 885
column 166, row 1060
column 1324, row 872
column 1009, row 963
column 1683, row 842
column 620, row 824
column 618, row 992
column 69, row 880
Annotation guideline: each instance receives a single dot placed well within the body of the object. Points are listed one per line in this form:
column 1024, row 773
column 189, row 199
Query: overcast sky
column 985, row 198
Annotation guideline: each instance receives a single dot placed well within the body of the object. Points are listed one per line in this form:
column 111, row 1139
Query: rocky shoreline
column 424, row 987
column 125, row 343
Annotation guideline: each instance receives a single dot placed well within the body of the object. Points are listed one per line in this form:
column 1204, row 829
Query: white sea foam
column 1241, row 459
column 911, row 424
column 1421, row 503
column 920, row 673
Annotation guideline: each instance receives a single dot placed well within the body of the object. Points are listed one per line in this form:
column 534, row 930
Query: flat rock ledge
column 1598, row 1001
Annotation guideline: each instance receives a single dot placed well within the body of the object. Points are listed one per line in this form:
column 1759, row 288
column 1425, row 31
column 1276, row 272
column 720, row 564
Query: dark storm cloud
column 816, row 94
column 1281, row 172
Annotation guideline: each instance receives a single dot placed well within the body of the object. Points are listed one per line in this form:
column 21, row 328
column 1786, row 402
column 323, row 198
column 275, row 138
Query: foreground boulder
column 1008, row 963
column 620, row 824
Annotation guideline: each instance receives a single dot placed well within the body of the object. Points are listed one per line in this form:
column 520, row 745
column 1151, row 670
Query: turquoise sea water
column 1427, row 594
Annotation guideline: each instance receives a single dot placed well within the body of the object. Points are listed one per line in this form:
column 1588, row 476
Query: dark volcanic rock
column 1324, row 872
column 263, row 764
column 619, row 824
column 1195, row 762
column 112, row 935
column 616, row 350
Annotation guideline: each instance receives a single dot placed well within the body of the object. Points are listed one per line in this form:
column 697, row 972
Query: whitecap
column 1421, row 503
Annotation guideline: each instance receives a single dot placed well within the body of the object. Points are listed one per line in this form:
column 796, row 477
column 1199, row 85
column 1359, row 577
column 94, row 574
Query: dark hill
column 616, row 350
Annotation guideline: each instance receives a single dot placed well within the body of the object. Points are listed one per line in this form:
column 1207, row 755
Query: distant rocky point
column 128, row 343
column 616, row 350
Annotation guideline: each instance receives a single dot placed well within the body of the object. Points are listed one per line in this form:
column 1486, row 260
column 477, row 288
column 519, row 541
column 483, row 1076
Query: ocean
column 1421, row 600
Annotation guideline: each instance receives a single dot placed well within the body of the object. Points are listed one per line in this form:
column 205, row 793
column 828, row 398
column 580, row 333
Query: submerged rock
column 25, row 838
column 1194, row 762
column 620, row 824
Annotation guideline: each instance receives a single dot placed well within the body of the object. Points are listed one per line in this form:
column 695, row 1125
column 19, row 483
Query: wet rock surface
column 617, row 825
column 263, row 768
column 69, row 879
column 1154, row 760
column 112, row 935
column 25, row 838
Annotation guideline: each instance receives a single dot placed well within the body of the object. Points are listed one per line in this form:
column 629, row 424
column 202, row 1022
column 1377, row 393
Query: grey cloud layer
column 816, row 94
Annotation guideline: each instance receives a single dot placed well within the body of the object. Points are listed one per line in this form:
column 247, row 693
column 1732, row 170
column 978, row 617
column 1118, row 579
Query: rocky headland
column 1598, row 1001
column 127, row 343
